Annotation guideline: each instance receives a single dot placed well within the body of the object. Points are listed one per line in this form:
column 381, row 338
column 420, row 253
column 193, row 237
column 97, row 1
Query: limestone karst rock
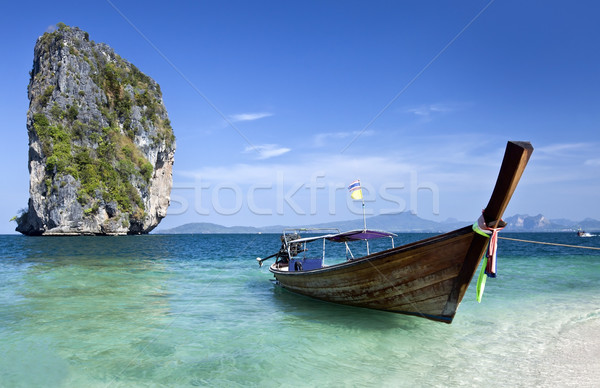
column 101, row 146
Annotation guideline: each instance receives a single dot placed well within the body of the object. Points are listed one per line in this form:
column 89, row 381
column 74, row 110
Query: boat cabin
column 297, row 255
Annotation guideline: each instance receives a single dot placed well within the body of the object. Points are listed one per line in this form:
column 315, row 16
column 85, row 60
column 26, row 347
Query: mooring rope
column 548, row 243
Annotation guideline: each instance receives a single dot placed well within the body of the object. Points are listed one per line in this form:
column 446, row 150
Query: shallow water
column 195, row 310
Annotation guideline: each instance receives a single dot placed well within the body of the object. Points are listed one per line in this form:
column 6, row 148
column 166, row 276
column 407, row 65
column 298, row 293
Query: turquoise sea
column 196, row 310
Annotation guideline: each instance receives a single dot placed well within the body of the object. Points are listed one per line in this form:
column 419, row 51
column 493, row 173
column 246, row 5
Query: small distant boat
column 582, row 233
column 427, row 278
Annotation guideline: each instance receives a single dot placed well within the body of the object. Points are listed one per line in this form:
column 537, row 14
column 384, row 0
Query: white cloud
column 562, row 147
column 563, row 164
column 459, row 164
column 461, row 177
column 322, row 139
column 249, row 116
column 428, row 110
column 455, row 166
column 334, row 168
column 266, row 151
column 571, row 155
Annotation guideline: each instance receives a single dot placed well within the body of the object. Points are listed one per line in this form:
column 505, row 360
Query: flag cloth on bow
column 355, row 190
column 488, row 268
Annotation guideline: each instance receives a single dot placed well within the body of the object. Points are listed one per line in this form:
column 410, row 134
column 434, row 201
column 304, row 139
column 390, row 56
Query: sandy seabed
column 574, row 358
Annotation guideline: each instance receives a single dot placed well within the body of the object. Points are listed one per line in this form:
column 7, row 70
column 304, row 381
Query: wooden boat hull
column 413, row 279
column 428, row 278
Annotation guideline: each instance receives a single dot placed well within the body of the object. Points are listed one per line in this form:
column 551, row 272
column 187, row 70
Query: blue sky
column 278, row 106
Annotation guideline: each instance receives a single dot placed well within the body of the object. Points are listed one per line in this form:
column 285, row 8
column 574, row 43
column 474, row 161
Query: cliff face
column 101, row 147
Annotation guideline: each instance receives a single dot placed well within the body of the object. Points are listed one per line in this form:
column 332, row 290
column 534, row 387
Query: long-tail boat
column 427, row 278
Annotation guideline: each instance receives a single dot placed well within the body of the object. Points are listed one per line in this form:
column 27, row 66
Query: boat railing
column 297, row 250
column 293, row 231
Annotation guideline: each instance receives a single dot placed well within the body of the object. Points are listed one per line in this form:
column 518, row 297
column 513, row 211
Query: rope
column 492, row 233
column 547, row 243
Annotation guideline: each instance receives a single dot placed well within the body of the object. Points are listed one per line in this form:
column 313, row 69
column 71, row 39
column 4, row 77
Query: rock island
column 101, row 146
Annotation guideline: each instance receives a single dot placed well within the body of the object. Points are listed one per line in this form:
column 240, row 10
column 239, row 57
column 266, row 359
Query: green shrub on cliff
column 104, row 172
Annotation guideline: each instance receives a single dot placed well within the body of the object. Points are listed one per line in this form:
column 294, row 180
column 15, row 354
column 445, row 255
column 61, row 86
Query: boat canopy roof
column 353, row 235
column 359, row 234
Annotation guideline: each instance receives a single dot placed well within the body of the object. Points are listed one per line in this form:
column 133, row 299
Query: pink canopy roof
column 354, row 235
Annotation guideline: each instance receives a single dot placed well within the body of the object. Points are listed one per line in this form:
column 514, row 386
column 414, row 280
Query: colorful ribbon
column 488, row 267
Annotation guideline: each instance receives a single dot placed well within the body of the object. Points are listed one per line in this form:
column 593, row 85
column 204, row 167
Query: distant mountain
column 399, row 222
column 589, row 224
column 561, row 221
column 528, row 223
column 208, row 228
column 539, row 223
